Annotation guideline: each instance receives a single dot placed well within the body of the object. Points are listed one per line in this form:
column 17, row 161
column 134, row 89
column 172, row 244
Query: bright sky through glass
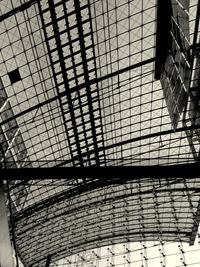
column 46, row 47
column 130, row 104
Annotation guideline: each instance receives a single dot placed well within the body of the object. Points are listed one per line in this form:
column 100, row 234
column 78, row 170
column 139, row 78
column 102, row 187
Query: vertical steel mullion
column 63, row 69
column 98, row 97
column 86, row 75
column 76, row 79
column 54, row 75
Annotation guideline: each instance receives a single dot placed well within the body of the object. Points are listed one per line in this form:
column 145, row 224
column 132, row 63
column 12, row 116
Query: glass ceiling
column 77, row 89
column 87, row 93
column 60, row 218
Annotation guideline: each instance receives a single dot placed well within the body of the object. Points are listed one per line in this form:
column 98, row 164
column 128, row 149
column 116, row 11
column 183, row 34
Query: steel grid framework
column 85, row 114
column 87, row 97
column 71, row 218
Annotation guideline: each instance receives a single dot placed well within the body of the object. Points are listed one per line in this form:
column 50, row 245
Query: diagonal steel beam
column 20, row 8
column 66, row 19
column 86, row 76
column 55, row 80
column 132, row 140
column 64, row 76
column 79, row 87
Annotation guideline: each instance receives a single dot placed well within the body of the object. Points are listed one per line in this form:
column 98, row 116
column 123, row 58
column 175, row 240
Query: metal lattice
column 78, row 89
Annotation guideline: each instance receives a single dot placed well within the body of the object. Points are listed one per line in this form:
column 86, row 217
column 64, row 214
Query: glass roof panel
column 77, row 89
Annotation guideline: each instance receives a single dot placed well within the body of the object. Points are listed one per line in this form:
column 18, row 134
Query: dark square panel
column 14, row 76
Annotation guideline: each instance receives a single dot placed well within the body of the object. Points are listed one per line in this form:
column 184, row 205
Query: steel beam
column 79, row 87
column 55, row 80
column 132, row 140
column 164, row 10
column 66, row 195
column 128, row 172
column 67, row 91
column 20, row 8
column 86, row 76
column 48, row 261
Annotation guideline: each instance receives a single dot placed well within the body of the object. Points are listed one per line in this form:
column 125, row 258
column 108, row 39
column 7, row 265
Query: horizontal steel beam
column 135, row 139
column 128, row 172
column 66, row 195
column 78, row 87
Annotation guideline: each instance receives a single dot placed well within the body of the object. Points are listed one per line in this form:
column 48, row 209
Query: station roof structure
column 87, row 94
column 79, row 76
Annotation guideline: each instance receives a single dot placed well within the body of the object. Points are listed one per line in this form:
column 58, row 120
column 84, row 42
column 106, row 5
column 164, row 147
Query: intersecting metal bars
column 64, row 76
column 77, row 94
column 181, row 129
column 56, row 83
column 79, row 87
column 86, row 75
column 38, row 63
column 185, row 229
column 105, row 241
column 94, row 183
column 97, row 85
column 92, row 103
column 20, row 8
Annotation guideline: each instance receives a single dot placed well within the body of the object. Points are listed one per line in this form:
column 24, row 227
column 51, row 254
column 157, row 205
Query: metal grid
column 42, row 129
column 69, row 219
column 87, row 94
column 87, row 97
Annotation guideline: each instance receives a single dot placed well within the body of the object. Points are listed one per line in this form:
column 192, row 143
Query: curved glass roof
column 59, row 218
column 78, row 89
